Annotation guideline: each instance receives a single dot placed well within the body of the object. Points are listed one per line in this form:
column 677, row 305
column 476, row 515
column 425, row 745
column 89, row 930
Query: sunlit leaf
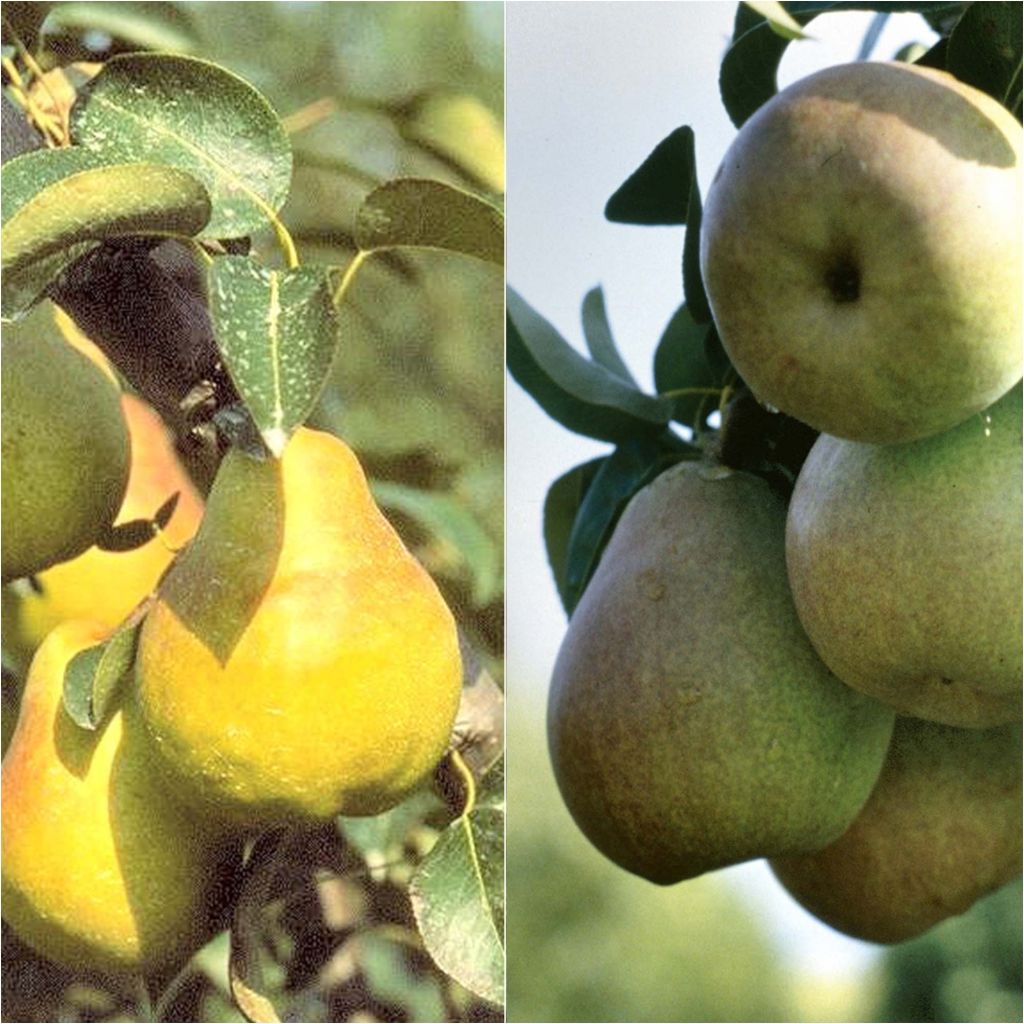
column 458, row 898
column 779, row 19
column 195, row 116
column 277, row 332
column 420, row 213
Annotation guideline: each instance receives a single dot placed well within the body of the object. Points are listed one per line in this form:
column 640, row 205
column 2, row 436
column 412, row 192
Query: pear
column 102, row 869
column 861, row 250
column 299, row 662
column 65, row 448
column 905, row 565
column 105, row 586
column 690, row 723
column 941, row 830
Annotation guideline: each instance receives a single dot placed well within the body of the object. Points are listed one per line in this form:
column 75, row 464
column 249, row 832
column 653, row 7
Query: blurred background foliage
column 368, row 92
column 608, row 946
column 371, row 92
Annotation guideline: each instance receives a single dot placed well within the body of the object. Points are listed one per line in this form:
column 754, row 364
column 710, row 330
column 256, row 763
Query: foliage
column 698, row 390
column 322, row 259
column 965, row 969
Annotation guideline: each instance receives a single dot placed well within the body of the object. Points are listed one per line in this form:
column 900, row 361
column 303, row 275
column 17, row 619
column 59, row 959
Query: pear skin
column 941, row 830
column 690, row 723
column 102, row 870
column 105, row 586
column 65, row 446
column 861, row 250
column 905, row 565
column 299, row 662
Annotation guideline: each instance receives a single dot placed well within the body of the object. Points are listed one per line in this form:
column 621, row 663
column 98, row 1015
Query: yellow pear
column 298, row 662
column 941, row 829
column 65, row 448
column 105, row 586
column 101, row 869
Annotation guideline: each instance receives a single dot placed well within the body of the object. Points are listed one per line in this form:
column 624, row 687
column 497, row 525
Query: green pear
column 102, row 869
column 941, row 829
column 905, row 566
column 298, row 662
column 690, row 723
column 65, row 448
column 861, row 250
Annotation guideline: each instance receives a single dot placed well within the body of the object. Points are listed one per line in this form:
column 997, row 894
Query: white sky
column 591, row 88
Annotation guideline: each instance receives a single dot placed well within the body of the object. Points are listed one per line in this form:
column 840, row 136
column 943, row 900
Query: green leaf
column 579, row 394
column 419, row 213
column 195, row 116
column 693, row 280
column 561, row 506
column 149, row 26
column 277, row 332
column 458, row 898
column 658, row 191
column 597, row 333
column 449, row 520
column 93, row 677
column 781, row 22
column 57, row 204
column 985, row 49
column 491, row 792
column 630, row 467
column 459, row 130
column 682, row 363
column 748, row 75
column 245, row 971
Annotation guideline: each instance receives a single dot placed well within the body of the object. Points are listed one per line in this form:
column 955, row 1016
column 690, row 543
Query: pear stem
column 468, row 780
column 346, row 279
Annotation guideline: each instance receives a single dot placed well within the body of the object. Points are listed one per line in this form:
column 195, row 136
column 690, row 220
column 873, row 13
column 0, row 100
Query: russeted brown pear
column 690, row 723
column 298, row 662
column 102, row 868
column 65, row 448
column 905, row 565
column 941, row 829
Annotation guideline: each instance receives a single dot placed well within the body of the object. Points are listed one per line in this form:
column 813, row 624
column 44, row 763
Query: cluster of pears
column 295, row 663
column 834, row 685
